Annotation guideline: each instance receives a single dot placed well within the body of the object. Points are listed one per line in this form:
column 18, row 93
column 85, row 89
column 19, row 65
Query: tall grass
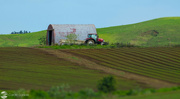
column 58, row 92
column 84, row 46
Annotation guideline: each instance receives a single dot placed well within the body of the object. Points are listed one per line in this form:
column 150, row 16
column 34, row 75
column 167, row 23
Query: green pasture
column 168, row 29
column 21, row 40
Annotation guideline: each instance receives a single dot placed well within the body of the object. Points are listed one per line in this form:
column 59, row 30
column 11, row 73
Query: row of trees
column 20, row 32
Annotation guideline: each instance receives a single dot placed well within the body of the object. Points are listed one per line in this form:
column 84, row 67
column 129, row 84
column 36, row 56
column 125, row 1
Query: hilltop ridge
column 168, row 29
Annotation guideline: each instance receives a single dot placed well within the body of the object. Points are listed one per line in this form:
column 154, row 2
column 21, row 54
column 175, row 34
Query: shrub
column 42, row 40
column 71, row 38
column 60, row 91
column 87, row 93
column 38, row 94
column 107, row 84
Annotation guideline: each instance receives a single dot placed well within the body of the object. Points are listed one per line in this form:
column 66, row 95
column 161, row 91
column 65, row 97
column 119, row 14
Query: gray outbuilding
column 56, row 32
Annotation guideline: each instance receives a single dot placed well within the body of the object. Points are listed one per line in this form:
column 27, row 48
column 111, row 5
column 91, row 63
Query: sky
column 36, row 15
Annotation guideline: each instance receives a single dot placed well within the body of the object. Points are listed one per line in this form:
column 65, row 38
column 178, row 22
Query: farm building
column 56, row 32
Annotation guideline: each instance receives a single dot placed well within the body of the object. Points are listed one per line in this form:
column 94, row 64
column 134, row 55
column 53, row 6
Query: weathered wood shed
column 56, row 32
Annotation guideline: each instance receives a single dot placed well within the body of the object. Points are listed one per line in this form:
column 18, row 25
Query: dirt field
column 31, row 68
column 158, row 67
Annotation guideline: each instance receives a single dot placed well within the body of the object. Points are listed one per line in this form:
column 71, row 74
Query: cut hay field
column 30, row 68
column 159, row 63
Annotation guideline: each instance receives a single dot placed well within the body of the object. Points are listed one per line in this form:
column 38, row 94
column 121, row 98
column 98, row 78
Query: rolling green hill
column 21, row 40
column 157, row 32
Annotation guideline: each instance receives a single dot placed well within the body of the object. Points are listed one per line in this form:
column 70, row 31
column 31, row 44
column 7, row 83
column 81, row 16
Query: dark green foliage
column 20, row 32
column 42, row 40
column 107, row 84
column 38, row 94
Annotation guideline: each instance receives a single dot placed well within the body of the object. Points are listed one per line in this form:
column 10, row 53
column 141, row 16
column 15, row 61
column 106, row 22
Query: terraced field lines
column 107, row 58
column 160, row 63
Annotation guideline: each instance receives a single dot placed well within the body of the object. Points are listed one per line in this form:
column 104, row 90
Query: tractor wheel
column 102, row 43
column 90, row 42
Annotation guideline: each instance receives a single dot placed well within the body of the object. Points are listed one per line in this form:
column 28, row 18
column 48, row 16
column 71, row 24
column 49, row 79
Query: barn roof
column 64, row 26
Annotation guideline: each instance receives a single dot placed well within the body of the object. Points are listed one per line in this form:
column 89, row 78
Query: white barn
column 56, row 32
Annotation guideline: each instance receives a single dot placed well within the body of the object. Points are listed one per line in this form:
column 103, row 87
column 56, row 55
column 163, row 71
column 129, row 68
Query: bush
column 87, row 93
column 71, row 38
column 59, row 92
column 42, row 40
column 38, row 94
column 107, row 84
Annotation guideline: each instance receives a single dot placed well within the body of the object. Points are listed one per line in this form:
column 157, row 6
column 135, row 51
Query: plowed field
column 159, row 63
column 29, row 68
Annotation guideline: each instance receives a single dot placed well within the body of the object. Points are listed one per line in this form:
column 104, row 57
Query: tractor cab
column 93, row 39
column 93, row 36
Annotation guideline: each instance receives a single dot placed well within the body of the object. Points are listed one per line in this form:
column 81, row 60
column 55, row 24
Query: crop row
column 131, row 62
column 136, row 69
column 156, row 63
column 148, row 58
column 142, row 60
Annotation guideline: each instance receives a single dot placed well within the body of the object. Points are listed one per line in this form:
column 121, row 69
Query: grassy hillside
column 23, row 40
column 157, row 32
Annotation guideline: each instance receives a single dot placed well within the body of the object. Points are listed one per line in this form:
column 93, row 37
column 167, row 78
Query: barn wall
column 61, row 31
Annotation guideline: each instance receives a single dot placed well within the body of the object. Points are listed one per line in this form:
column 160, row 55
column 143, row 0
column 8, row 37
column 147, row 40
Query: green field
column 160, row 63
column 156, row 32
column 142, row 33
column 21, row 40
column 29, row 68
column 34, row 68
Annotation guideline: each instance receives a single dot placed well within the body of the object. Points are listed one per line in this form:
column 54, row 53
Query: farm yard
column 160, row 63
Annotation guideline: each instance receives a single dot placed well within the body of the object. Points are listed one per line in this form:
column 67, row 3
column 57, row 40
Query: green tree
column 71, row 38
column 107, row 84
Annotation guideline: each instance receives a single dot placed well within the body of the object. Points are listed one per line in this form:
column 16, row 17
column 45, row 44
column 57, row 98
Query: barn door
column 50, row 37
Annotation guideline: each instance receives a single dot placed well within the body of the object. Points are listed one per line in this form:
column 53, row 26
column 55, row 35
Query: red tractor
column 94, row 39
